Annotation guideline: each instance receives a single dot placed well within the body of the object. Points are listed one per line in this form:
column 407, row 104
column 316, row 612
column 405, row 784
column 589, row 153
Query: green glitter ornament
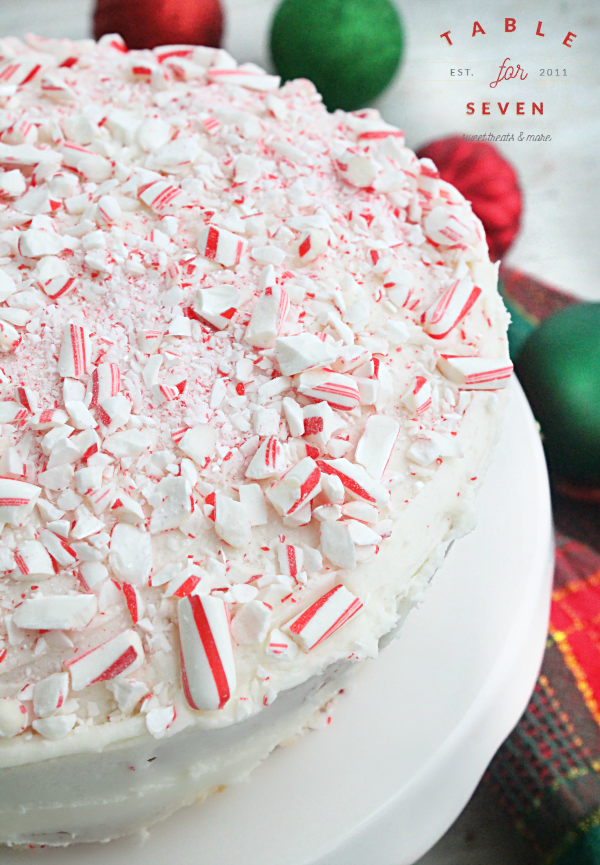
column 559, row 368
column 349, row 49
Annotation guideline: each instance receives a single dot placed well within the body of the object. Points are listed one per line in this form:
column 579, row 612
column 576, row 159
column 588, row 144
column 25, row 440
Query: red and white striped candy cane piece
column 211, row 125
column 17, row 500
column 106, row 382
column 268, row 461
column 218, row 244
column 162, row 196
column 207, row 662
column 134, row 602
column 58, row 286
column 245, row 75
column 475, row 373
column 48, row 418
column 11, row 411
column 27, row 397
column 335, row 388
column 323, row 618
column 121, row 654
column 50, row 694
column 58, row 548
column 19, row 73
column 268, row 317
column 74, row 351
column 149, row 341
column 9, row 337
column 381, row 135
column 296, row 488
column 291, row 559
column 32, row 560
column 450, row 308
column 418, row 396
column 444, row 227
column 357, row 482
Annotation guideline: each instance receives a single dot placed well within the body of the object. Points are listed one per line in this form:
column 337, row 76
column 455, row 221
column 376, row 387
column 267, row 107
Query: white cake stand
column 412, row 736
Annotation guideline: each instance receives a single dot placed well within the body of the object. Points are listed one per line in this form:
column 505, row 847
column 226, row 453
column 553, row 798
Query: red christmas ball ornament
column 487, row 180
column 148, row 23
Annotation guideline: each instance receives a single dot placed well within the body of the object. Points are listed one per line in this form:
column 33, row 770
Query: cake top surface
column 239, row 336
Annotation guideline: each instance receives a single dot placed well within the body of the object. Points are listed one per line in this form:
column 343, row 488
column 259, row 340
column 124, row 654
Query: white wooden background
column 560, row 178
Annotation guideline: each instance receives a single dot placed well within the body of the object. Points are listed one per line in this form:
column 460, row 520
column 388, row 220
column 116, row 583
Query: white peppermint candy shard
column 361, row 511
column 251, row 623
column 32, row 561
column 58, row 548
column 357, row 482
column 80, row 416
column 339, row 390
column 312, row 243
column 61, row 612
column 217, row 305
column 475, row 373
column 332, row 488
column 55, row 728
column 17, row 500
column 268, row 461
column 126, row 510
column 268, row 317
column 114, row 412
column 376, row 444
column 50, row 694
column 291, row 559
column 58, row 286
column 231, row 522
column 13, row 717
column 106, row 382
column 207, row 663
column 302, row 352
column 127, row 693
column 119, row 655
column 150, row 341
column 128, row 443
column 218, row 244
column 131, row 554
column 337, row 544
column 159, row 720
column 92, row 574
column 319, row 423
column 281, row 646
column 296, row 488
column 323, row 618
column 450, row 308
column 199, row 443
column 36, row 242
column 362, row 535
column 356, row 170
column 446, row 228
column 253, row 500
column 418, row 396
column 75, row 351
column 294, row 416
column 176, row 504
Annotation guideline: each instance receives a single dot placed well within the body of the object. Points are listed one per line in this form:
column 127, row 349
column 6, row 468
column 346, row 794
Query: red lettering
column 477, row 28
column 503, row 111
column 470, row 108
column 520, row 108
column 537, row 109
column 510, row 25
column 568, row 40
column 538, row 32
column 485, row 107
column 446, row 35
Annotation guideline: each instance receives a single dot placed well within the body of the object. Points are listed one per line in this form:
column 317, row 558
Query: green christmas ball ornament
column 349, row 49
column 559, row 368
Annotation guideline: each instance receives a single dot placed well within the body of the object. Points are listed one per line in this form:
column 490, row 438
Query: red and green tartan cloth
column 547, row 773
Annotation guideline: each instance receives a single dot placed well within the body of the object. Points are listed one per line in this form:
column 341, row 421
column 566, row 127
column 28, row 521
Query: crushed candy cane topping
column 238, row 335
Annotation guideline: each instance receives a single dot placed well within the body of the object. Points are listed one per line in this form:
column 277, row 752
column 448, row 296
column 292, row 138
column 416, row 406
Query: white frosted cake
column 251, row 372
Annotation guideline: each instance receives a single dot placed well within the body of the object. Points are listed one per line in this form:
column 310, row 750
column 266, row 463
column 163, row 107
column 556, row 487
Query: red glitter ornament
column 487, row 180
column 148, row 23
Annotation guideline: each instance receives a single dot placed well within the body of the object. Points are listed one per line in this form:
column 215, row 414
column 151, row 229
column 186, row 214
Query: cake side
column 253, row 367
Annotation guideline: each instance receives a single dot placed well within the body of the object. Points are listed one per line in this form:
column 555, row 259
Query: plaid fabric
column 547, row 773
